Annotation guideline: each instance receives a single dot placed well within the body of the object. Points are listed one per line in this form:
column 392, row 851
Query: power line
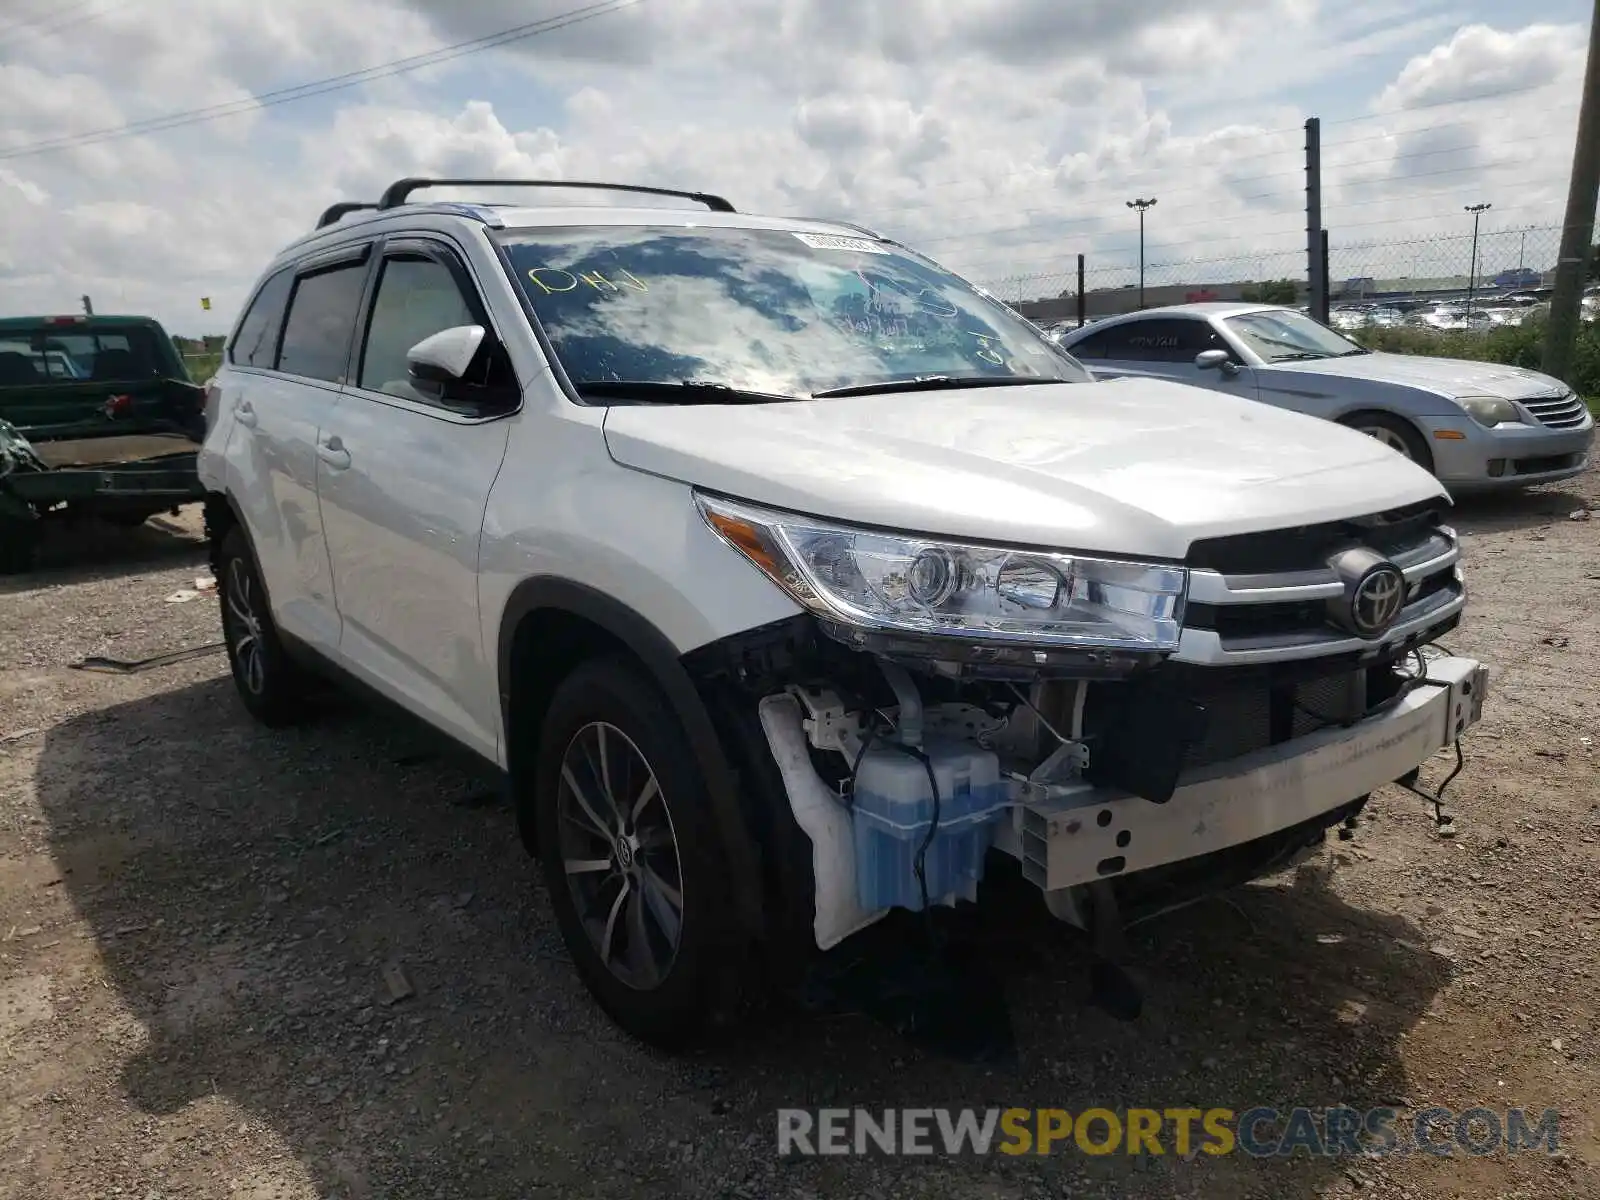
column 1106, row 191
column 320, row 87
column 1299, row 250
column 1478, row 99
column 55, row 22
column 1166, row 227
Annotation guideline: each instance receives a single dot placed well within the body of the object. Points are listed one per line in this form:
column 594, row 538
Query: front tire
column 634, row 867
column 270, row 685
column 1394, row 432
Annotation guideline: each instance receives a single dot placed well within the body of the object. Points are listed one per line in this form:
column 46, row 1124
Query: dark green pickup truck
column 97, row 418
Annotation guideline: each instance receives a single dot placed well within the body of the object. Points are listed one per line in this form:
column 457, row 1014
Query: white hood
column 1125, row 467
column 1447, row 376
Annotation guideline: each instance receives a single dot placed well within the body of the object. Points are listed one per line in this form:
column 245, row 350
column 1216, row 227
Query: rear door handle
column 244, row 414
column 331, row 451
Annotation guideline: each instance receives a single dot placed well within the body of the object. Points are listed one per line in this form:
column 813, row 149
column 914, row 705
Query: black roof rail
column 396, row 193
column 344, row 208
column 871, row 233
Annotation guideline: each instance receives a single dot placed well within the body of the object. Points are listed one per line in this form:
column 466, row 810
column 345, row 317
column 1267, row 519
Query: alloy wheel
column 620, row 855
column 244, row 627
column 1388, row 437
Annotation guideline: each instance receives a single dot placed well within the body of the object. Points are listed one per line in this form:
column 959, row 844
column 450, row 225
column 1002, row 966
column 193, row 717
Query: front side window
column 322, row 316
column 782, row 314
column 416, row 298
column 1283, row 335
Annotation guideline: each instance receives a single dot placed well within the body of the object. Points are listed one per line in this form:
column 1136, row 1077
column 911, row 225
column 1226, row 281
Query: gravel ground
column 196, row 918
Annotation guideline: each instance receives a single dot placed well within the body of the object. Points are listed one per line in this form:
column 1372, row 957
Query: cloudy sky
column 1002, row 136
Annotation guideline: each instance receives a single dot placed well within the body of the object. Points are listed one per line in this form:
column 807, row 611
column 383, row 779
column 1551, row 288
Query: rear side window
column 322, row 316
column 256, row 343
column 1161, row 339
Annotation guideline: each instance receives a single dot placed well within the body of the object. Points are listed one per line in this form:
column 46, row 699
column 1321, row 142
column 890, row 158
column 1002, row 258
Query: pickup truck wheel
column 1394, row 432
column 630, row 855
column 270, row 685
column 19, row 545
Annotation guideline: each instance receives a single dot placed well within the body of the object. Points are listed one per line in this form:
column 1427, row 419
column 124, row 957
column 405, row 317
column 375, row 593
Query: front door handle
column 244, row 414
column 331, row 451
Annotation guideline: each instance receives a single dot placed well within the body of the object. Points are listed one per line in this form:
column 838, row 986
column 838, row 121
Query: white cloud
column 1480, row 60
column 1004, row 135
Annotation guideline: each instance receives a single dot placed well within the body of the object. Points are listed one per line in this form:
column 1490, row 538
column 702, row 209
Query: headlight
column 981, row 596
column 1490, row 410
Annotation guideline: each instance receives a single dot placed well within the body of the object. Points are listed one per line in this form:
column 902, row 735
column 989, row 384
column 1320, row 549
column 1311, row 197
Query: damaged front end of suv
column 1136, row 735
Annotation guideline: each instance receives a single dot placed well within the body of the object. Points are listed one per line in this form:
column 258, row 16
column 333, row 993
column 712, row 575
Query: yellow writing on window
column 554, row 279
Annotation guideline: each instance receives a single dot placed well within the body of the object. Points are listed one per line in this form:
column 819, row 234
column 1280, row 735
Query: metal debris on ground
column 394, row 978
column 117, row 666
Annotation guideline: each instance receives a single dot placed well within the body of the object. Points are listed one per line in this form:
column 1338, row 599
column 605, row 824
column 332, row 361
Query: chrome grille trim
column 1434, row 552
column 1208, row 647
column 1211, row 587
column 1563, row 411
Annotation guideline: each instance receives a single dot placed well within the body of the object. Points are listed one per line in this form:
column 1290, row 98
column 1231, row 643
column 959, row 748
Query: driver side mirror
column 464, row 369
column 1216, row 360
column 444, row 358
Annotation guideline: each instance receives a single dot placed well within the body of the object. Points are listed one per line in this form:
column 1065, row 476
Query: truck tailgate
column 108, row 451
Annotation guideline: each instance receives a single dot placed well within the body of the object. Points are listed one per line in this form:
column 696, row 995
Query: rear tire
column 1394, row 432
column 631, row 856
column 271, row 686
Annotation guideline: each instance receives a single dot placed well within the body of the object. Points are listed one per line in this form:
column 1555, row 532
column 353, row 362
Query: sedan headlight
column 912, row 587
column 1490, row 410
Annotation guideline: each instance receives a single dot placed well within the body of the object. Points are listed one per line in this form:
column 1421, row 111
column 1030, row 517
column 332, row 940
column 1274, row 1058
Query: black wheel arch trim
column 214, row 547
column 665, row 666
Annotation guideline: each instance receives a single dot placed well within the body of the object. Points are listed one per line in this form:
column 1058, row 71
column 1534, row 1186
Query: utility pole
column 1080, row 292
column 1577, row 231
column 1142, row 205
column 88, row 306
column 1321, row 311
column 1477, row 211
column 1316, row 278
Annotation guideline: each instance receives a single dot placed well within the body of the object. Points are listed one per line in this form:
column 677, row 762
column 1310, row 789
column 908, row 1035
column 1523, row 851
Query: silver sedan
column 1475, row 425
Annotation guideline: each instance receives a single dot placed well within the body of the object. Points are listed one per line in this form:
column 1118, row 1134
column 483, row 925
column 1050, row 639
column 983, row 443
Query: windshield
column 1282, row 335
column 765, row 311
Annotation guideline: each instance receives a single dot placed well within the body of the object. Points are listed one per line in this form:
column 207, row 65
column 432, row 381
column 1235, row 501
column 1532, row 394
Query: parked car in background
column 1518, row 277
column 1352, row 317
column 99, row 418
column 1475, row 425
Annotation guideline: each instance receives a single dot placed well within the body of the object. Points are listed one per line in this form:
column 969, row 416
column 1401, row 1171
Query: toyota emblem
column 1377, row 600
column 1373, row 595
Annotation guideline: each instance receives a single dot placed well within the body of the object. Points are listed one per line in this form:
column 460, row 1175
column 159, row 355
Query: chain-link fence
column 1439, row 269
column 1403, row 196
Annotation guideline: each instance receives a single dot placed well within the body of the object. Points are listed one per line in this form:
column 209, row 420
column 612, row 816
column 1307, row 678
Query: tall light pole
column 1477, row 211
column 1141, row 205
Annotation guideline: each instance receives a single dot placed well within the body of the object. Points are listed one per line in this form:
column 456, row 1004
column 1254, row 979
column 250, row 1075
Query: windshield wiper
column 684, row 391
column 1351, row 353
column 1299, row 356
column 932, row 383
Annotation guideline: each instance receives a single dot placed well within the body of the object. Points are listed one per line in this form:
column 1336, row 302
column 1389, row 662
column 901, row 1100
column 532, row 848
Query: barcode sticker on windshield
column 828, row 241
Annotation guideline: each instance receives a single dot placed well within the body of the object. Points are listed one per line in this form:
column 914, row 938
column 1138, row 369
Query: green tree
column 1273, row 291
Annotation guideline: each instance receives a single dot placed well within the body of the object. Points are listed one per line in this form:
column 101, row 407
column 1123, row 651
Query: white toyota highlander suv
column 790, row 579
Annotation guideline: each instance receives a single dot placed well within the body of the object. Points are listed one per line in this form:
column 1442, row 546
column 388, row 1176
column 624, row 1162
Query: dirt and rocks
column 315, row 963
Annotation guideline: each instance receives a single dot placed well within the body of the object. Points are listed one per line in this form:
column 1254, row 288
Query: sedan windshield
column 762, row 314
column 1283, row 335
